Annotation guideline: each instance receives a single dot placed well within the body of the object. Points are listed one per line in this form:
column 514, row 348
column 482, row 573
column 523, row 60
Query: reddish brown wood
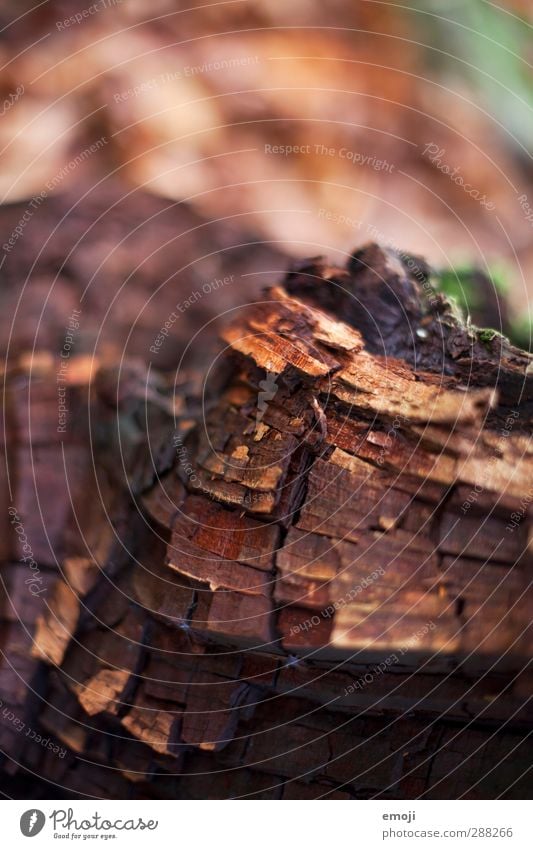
column 296, row 603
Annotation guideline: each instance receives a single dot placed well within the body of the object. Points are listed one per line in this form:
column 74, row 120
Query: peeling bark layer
column 341, row 495
column 313, row 569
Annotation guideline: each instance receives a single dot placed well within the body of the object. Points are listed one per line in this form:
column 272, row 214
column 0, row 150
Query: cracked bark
column 290, row 548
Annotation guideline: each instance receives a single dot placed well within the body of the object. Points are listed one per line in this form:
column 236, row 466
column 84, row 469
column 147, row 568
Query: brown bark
column 359, row 461
column 320, row 590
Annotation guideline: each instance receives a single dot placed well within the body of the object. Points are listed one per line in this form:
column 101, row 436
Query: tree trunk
column 316, row 579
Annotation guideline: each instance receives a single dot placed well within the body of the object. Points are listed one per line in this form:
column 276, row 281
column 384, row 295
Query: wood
column 384, row 450
column 319, row 594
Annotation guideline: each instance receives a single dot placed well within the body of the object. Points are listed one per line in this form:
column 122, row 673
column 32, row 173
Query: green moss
column 457, row 285
column 522, row 332
column 500, row 276
column 486, row 335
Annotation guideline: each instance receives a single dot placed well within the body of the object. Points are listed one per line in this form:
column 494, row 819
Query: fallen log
column 327, row 564
column 354, row 485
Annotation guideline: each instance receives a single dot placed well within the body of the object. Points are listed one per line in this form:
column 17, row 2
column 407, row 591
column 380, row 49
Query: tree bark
column 319, row 575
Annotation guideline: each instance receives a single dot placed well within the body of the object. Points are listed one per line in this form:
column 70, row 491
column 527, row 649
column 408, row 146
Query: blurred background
column 150, row 150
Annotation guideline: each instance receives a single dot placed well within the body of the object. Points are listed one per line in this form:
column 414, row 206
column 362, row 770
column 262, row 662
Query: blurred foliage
column 493, row 46
column 456, row 283
column 522, row 333
column 462, row 284
column 482, row 298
